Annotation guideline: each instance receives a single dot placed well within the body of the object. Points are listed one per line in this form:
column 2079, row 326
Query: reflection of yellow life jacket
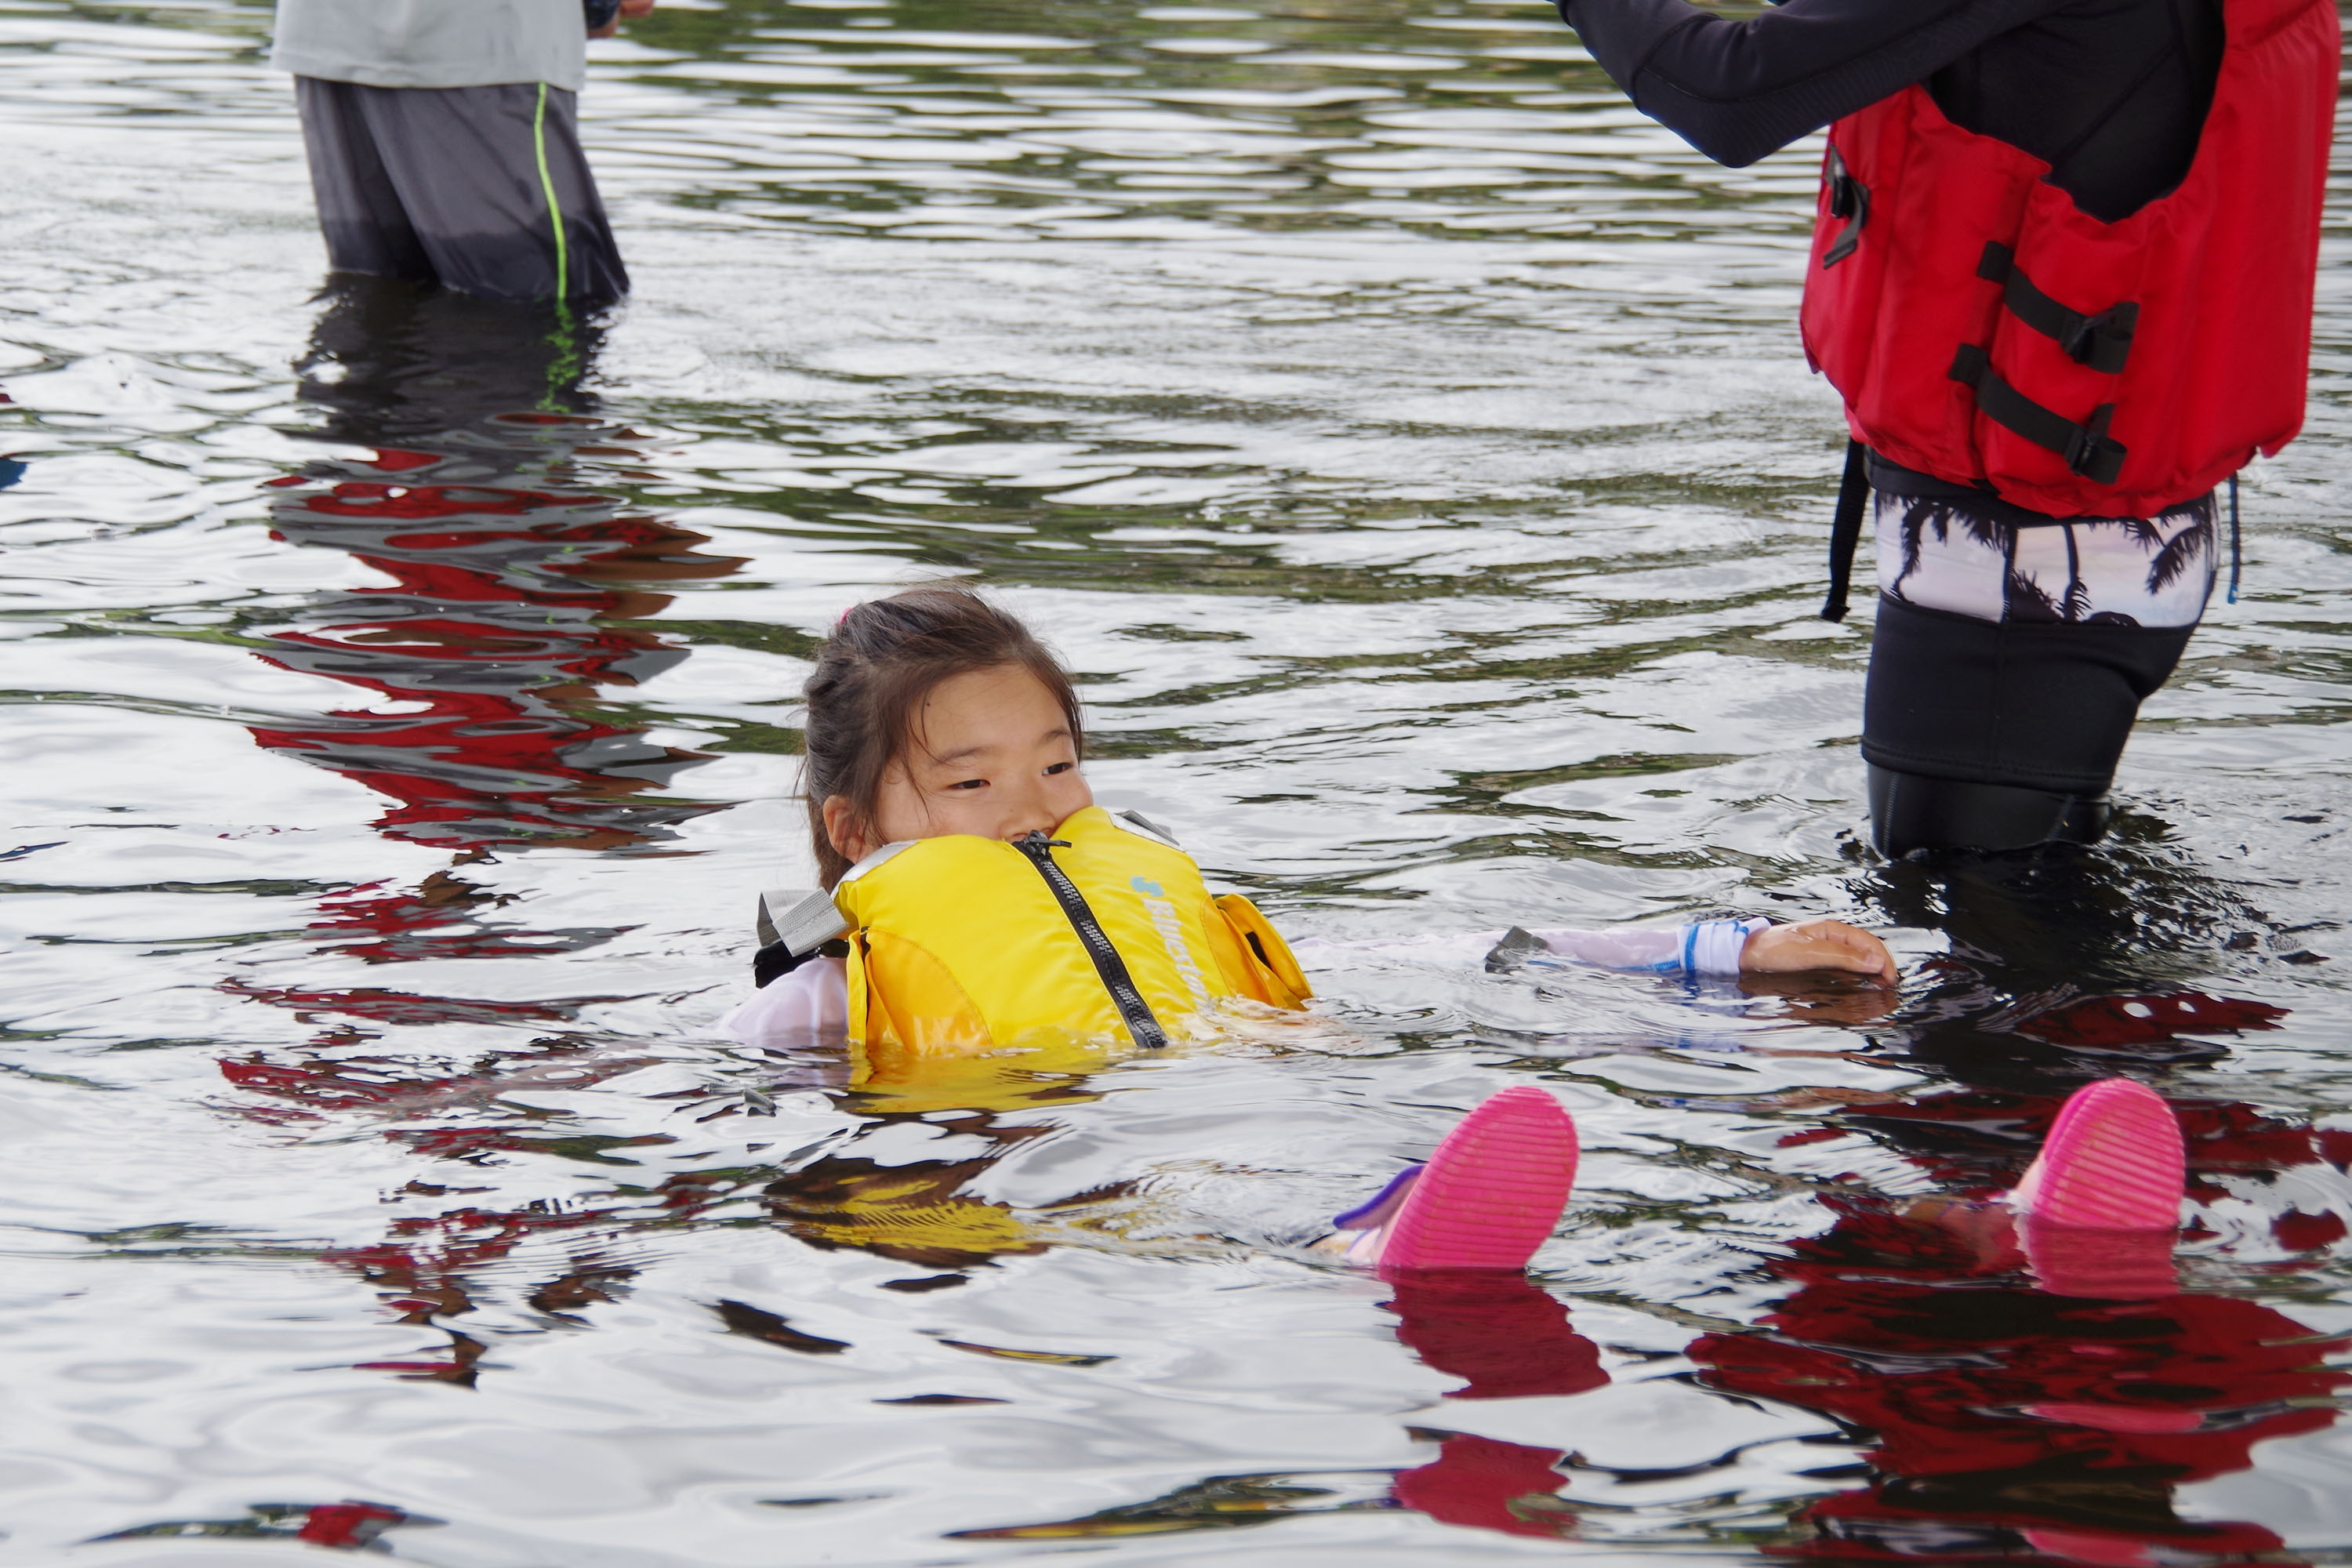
column 1104, row 930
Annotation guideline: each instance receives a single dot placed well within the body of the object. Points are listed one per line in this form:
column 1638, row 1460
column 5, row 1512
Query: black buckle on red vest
column 2102, row 342
column 1850, row 200
column 2086, row 447
column 2088, row 451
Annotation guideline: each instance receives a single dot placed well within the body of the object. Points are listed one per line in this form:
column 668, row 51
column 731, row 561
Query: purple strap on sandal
column 1366, row 1216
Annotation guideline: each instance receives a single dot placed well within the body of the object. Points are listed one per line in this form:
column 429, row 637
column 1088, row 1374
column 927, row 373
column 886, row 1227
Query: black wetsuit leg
column 2009, row 663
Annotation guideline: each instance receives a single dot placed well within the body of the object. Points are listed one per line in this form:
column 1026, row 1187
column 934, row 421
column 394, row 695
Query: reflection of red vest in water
column 1982, row 329
column 2007, row 1414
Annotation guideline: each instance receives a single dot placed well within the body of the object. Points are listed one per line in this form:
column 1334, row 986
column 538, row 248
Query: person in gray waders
column 2061, row 279
column 444, row 141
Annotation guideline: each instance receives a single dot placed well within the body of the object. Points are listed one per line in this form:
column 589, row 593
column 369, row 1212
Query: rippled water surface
column 1408, row 444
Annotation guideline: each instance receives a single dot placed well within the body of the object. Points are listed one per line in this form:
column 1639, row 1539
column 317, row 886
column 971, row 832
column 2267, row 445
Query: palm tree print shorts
column 2131, row 572
column 2019, row 654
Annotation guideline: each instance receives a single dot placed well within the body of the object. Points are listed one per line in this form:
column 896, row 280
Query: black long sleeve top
column 2111, row 93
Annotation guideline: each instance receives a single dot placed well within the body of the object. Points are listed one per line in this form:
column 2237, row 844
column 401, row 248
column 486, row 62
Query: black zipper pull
column 1133, row 1010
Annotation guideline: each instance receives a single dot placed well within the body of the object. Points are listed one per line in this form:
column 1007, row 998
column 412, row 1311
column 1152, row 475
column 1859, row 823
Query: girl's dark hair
column 864, row 699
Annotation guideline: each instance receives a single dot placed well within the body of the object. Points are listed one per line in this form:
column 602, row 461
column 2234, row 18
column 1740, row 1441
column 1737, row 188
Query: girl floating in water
column 976, row 897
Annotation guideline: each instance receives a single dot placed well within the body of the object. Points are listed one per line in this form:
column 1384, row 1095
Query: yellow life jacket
column 962, row 942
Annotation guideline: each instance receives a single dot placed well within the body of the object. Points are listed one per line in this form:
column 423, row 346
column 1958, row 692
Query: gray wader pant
column 480, row 189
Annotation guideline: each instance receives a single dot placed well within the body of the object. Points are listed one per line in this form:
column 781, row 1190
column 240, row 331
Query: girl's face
column 993, row 755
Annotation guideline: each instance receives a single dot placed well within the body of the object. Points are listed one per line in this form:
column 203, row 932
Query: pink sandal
column 1490, row 1194
column 2114, row 1160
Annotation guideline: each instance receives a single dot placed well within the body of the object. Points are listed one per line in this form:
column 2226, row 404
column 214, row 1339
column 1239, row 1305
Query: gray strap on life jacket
column 801, row 919
column 1136, row 822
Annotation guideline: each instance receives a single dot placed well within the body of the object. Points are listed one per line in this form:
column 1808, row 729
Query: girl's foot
column 1489, row 1196
column 2114, row 1160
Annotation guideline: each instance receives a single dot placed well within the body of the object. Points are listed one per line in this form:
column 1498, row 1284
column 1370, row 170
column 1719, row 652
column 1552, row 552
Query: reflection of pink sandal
column 2113, row 1162
column 2105, row 1264
column 1488, row 1198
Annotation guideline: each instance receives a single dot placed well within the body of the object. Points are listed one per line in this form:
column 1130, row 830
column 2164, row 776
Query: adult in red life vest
column 2062, row 280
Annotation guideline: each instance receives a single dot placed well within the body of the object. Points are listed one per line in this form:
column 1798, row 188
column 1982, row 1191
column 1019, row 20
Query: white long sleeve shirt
column 812, row 1002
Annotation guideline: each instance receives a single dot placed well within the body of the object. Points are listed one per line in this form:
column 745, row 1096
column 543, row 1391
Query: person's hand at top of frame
column 1817, row 946
column 630, row 11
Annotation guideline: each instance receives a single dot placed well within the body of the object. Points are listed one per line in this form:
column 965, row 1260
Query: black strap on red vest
column 1845, row 528
column 2102, row 342
column 2088, row 448
column 2236, row 560
column 1850, row 200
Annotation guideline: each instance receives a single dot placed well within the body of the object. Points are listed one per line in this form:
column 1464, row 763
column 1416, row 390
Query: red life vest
column 1983, row 329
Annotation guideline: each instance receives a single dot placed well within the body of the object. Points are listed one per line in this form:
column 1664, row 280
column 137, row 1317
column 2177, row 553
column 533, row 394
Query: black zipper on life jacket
column 1133, row 1009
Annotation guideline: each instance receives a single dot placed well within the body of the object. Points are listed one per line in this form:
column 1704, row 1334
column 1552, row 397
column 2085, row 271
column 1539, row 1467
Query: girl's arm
column 1701, row 950
column 810, row 1002
column 1715, row 950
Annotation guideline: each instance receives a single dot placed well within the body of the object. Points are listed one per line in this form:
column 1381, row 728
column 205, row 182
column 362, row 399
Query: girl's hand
column 1818, row 945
